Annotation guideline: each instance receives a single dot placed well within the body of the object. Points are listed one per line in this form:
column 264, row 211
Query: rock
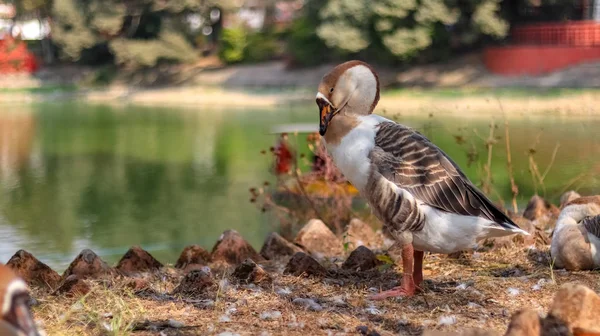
column 276, row 246
column 157, row 325
column 232, row 249
column 463, row 332
column 301, row 263
column 364, row 330
column 361, row 259
column 196, row 282
column 73, row 286
column 568, row 197
column 524, row 323
column 34, row 272
column 270, row 315
column 309, row 304
column 137, row 260
column 191, row 257
column 577, row 306
column 316, row 238
column 249, row 272
column 359, row 233
column 88, row 265
column 537, row 208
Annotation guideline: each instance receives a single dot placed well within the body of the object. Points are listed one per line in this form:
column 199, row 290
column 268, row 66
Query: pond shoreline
column 514, row 102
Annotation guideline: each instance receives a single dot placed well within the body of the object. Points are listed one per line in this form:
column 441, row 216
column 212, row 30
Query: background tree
column 396, row 30
column 134, row 33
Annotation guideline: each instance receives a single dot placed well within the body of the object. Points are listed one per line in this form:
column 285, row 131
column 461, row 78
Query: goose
column 575, row 241
column 425, row 202
column 16, row 317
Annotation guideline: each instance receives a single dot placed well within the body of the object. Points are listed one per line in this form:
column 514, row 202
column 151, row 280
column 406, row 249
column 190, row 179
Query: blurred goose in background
column 424, row 200
column 16, row 317
column 576, row 239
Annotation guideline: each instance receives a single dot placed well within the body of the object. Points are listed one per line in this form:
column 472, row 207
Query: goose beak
column 326, row 111
column 21, row 318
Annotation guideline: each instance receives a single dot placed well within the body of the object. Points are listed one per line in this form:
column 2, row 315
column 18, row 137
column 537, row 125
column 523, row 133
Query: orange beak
column 326, row 113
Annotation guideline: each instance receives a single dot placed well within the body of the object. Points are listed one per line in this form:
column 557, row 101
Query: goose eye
column 331, row 90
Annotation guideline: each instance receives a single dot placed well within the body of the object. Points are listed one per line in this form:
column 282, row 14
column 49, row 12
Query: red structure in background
column 546, row 47
column 15, row 57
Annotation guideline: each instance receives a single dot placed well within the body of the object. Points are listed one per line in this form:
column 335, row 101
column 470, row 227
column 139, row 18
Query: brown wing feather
column 592, row 225
column 413, row 163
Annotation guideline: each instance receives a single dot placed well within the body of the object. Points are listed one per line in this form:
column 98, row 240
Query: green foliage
column 147, row 53
column 305, row 47
column 239, row 45
column 132, row 33
column 233, row 44
column 261, row 47
column 404, row 28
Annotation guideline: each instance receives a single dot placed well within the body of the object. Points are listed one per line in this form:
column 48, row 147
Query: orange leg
column 408, row 287
column 418, row 269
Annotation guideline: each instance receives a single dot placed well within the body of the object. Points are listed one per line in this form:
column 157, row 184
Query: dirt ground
column 477, row 290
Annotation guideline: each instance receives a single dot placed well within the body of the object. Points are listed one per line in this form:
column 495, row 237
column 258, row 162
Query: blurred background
column 154, row 122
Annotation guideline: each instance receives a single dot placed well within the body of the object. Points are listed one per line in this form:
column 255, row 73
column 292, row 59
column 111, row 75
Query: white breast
column 351, row 155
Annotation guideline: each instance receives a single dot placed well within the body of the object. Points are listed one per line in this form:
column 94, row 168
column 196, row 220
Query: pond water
column 76, row 176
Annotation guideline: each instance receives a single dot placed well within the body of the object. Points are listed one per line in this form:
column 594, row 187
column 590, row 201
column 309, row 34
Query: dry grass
column 478, row 290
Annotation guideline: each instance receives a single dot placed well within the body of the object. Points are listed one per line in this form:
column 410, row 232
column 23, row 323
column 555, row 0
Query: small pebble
column 362, row 329
column 447, row 320
column 175, row 324
column 373, row 311
column 513, row 291
column 476, row 292
column 473, row 305
column 107, row 326
column 338, row 300
column 224, row 319
column 283, row 291
column 270, row 315
column 228, row 333
column 403, row 322
column 308, row 303
column 538, row 286
column 205, row 303
column 462, row 286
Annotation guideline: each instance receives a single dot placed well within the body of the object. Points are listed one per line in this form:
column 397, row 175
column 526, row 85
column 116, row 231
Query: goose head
column 351, row 88
column 16, row 318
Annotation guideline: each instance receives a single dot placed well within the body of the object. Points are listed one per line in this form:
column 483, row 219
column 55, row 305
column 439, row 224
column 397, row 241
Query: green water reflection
column 76, row 176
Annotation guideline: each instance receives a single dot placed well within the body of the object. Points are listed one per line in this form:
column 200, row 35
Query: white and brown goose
column 422, row 197
column 16, row 319
column 576, row 238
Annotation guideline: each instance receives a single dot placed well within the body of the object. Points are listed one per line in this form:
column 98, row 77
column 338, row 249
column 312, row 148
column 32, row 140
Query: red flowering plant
column 15, row 57
column 308, row 185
